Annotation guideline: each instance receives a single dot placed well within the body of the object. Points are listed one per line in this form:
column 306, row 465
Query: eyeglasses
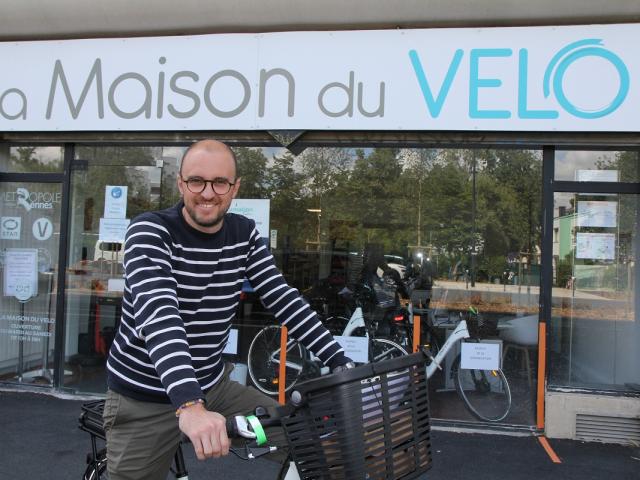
column 221, row 186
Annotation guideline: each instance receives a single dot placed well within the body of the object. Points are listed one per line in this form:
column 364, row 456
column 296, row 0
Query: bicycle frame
column 461, row 332
column 356, row 321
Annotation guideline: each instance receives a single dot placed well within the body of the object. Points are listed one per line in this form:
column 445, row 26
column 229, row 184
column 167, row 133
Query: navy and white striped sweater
column 182, row 288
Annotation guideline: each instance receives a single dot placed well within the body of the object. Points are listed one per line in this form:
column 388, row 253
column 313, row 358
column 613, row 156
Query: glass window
column 29, row 244
column 595, row 333
column 457, row 227
column 31, row 159
column 146, row 178
column 597, row 166
column 334, row 211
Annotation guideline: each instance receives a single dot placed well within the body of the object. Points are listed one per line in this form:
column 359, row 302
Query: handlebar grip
column 232, row 428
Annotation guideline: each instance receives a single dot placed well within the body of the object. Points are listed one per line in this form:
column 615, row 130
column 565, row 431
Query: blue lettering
column 475, row 83
column 435, row 105
column 592, row 47
column 523, row 111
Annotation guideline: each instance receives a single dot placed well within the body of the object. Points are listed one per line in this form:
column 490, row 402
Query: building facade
column 497, row 148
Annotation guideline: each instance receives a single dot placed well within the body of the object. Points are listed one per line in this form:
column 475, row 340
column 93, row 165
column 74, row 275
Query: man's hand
column 206, row 430
column 345, row 366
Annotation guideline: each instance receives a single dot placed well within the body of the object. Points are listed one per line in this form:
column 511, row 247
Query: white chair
column 521, row 334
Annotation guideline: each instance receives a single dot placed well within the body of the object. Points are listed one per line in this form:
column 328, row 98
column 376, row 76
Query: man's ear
column 181, row 185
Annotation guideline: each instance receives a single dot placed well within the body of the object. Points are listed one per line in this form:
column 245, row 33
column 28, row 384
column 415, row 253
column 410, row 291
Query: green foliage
column 31, row 160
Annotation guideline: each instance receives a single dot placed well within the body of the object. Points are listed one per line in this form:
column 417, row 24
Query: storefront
column 505, row 160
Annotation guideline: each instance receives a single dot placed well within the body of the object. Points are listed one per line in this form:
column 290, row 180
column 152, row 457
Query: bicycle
column 486, row 393
column 239, row 426
column 263, row 358
column 371, row 421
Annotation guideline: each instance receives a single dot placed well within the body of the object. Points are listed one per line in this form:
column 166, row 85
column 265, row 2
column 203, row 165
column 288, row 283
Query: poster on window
column 256, row 209
column 21, row 273
column 596, row 246
column 115, row 201
column 597, row 214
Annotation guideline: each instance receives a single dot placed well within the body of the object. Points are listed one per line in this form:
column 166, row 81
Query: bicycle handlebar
column 250, row 427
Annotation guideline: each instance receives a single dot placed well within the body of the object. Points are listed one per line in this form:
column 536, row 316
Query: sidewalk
column 40, row 440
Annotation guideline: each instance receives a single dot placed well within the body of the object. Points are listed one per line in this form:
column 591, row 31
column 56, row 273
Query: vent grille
column 596, row 428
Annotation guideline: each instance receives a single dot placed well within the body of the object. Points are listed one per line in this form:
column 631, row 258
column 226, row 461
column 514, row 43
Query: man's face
column 204, row 211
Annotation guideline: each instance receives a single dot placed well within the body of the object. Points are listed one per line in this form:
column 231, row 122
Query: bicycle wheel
column 382, row 349
column 486, row 393
column 90, row 472
column 263, row 361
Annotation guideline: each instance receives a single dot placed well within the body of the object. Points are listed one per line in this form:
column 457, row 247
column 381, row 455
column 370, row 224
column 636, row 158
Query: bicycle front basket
column 370, row 422
column 482, row 327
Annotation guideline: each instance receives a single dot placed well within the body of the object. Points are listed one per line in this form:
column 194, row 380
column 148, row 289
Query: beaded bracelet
column 188, row 404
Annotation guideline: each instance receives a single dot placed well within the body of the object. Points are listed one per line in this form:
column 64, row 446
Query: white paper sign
column 480, row 356
column 115, row 285
column 356, row 348
column 21, row 273
column 596, row 246
column 273, row 239
column 256, row 209
column 597, row 214
column 232, row 342
column 113, row 229
column 115, row 201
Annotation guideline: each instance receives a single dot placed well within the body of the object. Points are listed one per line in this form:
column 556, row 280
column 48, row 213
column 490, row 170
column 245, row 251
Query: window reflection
column 459, row 227
column 594, row 327
column 31, row 159
column 597, row 166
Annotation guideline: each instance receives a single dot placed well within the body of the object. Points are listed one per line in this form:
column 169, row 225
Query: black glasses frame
column 216, row 184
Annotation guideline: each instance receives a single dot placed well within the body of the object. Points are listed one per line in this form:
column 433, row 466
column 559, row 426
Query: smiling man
column 184, row 270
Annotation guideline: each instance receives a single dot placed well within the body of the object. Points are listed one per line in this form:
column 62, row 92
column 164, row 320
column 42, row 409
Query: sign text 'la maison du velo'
column 575, row 78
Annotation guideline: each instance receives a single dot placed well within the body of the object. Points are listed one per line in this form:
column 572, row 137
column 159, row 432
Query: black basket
column 481, row 327
column 370, row 422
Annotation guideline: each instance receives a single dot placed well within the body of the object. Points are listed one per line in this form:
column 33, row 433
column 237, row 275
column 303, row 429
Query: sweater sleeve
column 147, row 262
column 288, row 306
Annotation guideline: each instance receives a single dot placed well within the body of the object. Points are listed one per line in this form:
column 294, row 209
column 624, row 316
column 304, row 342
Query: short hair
column 195, row 144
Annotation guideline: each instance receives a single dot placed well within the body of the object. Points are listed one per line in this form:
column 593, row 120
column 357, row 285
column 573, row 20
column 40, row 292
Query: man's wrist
column 189, row 404
column 345, row 366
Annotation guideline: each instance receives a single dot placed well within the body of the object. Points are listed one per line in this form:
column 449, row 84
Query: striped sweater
column 182, row 289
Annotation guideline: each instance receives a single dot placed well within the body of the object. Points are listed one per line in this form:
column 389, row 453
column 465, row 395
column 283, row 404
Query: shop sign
column 553, row 78
column 26, row 328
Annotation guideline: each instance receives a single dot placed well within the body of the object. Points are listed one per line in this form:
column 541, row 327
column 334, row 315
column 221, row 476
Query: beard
column 208, row 223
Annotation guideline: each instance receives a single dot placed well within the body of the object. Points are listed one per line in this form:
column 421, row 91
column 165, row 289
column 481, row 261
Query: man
column 184, row 269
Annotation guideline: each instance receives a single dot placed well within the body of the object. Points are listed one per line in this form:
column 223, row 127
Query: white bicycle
column 263, row 359
column 485, row 393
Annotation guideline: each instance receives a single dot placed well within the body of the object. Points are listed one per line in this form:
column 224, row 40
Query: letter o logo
column 565, row 58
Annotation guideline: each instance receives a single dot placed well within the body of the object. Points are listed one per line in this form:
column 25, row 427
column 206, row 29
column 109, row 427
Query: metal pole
column 20, row 365
column 473, row 221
